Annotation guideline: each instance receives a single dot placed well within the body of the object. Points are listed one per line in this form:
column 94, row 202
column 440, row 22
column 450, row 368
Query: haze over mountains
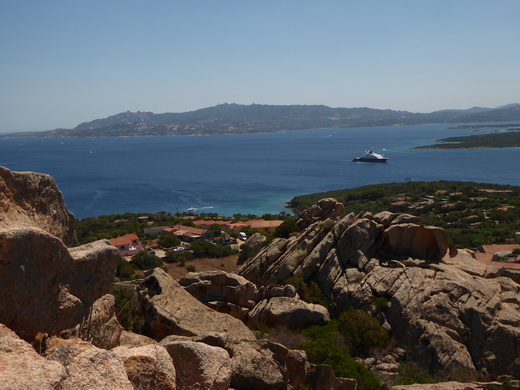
column 254, row 118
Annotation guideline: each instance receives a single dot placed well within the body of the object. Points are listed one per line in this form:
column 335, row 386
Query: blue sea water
column 249, row 173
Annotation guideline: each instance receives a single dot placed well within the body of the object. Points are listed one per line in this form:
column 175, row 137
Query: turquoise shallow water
column 253, row 173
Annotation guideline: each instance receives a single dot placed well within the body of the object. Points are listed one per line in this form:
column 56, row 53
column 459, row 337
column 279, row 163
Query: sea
column 246, row 173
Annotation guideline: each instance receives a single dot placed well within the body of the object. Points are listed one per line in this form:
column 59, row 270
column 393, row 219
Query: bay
column 247, row 173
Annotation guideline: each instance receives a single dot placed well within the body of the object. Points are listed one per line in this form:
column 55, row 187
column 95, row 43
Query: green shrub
column 326, row 345
column 191, row 268
column 128, row 310
column 124, row 270
column 178, row 257
column 310, row 292
column 362, row 332
column 411, row 372
column 286, row 228
column 168, row 240
column 143, row 260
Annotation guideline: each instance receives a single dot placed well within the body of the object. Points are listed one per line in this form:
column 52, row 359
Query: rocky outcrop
column 33, row 200
column 444, row 309
column 327, row 208
column 272, row 305
column 181, row 322
column 169, row 309
column 47, row 286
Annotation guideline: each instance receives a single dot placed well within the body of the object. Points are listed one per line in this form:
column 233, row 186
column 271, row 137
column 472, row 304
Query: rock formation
column 271, row 305
column 327, row 208
column 29, row 199
column 181, row 322
column 50, row 290
column 447, row 311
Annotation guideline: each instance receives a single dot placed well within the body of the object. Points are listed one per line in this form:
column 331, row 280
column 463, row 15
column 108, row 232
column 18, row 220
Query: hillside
column 254, row 118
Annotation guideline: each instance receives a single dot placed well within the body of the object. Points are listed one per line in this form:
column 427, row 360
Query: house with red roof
column 127, row 245
column 189, row 233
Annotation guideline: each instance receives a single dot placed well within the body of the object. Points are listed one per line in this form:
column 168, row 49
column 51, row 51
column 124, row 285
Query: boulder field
column 59, row 328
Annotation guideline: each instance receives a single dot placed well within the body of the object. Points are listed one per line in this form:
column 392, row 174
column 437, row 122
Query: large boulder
column 33, row 200
column 290, row 312
column 148, row 366
column 101, row 328
column 199, row 365
column 220, row 286
column 169, row 309
column 88, row 367
column 48, row 288
column 21, row 368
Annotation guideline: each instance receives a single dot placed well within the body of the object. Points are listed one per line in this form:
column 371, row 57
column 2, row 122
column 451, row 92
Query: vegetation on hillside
column 510, row 139
column 472, row 214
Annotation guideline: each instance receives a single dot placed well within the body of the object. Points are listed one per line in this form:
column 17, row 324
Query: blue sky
column 69, row 61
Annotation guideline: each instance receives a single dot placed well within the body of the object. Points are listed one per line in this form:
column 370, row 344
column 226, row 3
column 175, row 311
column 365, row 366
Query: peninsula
column 257, row 118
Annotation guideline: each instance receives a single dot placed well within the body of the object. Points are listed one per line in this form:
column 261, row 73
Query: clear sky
column 63, row 62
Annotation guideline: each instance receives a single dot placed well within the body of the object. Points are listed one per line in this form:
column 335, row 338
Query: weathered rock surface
column 449, row 386
column 250, row 246
column 271, row 305
column 179, row 319
column 169, row 309
column 101, row 328
column 220, row 286
column 47, row 288
column 328, row 208
column 88, row 367
column 199, row 365
column 447, row 314
column 29, row 199
column 21, row 368
column 290, row 312
column 148, row 366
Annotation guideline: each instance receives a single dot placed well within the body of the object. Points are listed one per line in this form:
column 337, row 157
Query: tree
column 286, row 228
column 143, row 260
column 168, row 240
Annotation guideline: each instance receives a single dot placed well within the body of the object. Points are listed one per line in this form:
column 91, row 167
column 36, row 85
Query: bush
column 178, row 257
column 127, row 309
column 207, row 249
column 362, row 332
column 191, row 268
column 143, row 260
column 411, row 373
column 124, row 270
column 326, row 345
column 310, row 292
column 168, row 240
column 286, row 228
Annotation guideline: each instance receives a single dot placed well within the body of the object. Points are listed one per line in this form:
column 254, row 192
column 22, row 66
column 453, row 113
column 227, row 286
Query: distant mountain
column 254, row 118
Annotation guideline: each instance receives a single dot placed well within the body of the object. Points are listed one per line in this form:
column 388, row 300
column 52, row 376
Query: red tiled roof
column 265, row 224
column 494, row 248
column 124, row 240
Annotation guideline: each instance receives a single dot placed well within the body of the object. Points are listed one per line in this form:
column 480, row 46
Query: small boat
column 371, row 157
